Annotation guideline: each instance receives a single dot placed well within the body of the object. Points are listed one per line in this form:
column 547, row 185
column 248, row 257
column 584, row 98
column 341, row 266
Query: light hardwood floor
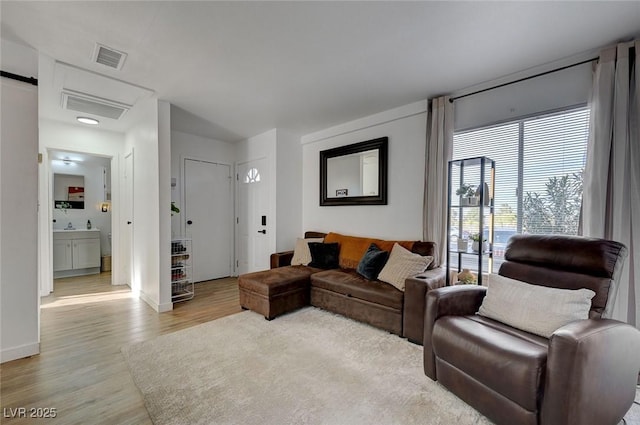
column 80, row 371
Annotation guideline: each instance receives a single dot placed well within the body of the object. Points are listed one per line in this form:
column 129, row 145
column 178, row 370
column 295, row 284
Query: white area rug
column 307, row 367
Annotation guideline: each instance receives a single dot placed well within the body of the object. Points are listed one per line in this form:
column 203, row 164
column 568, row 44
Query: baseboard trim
column 160, row 308
column 20, row 352
column 165, row 307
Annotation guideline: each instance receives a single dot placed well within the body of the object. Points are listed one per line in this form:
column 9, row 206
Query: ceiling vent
column 108, row 57
column 93, row 105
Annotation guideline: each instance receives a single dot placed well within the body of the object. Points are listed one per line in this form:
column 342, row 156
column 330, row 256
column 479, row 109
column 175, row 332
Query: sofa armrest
column 459, row 300
column 592, row 372
column 415, row 292
column 281, row 259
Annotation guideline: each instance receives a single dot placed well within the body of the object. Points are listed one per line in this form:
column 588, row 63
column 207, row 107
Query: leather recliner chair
column 585, row 374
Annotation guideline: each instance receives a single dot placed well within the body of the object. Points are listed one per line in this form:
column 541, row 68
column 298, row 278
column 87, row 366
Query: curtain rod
column 29, row 80
column 524, row 79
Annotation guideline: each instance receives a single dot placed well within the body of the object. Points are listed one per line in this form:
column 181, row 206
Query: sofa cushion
column 351, row 284
column 301, row 253
column 372, row 262
column 324, row 255
column 533, row 308
column 488, row 351
column 352, row 248
column 427, row 249
column 401, row 265
column 276, row 281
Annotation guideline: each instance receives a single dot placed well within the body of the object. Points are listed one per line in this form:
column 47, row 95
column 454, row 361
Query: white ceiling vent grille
column 108, row 57
column 93, row 105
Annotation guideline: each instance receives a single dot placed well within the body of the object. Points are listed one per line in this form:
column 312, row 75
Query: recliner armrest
column 281, row 259
column 592, row 372
column 415, row 292
column 459, row 300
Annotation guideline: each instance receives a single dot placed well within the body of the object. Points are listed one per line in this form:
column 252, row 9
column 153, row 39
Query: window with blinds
column 539, row 164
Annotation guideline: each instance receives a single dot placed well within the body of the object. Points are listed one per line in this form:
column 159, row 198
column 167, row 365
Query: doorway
column 80, row 225
column 253, row 224
column 208, row 218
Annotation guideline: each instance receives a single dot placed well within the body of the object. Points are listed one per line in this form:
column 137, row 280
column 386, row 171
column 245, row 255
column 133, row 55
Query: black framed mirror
column 355, row 174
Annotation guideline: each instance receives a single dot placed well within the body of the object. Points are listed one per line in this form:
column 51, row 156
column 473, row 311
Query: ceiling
column 235, row 69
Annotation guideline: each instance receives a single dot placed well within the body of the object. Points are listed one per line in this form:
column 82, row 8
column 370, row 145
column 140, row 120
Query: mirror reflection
column 354, row 174
column 68, row 191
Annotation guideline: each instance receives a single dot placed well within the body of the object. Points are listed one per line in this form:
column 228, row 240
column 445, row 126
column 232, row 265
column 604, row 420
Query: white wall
column 164, row 204
column 148, row 247
column 19, row 303
column 402, row 217
column 18, row 59
column 184, row 145
column 73, row 138
column 288, row 190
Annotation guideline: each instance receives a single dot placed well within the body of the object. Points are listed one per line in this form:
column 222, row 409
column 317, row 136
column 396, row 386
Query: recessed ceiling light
column 87, row 120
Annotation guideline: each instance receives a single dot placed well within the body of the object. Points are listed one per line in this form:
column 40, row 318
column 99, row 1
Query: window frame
column 521, row 120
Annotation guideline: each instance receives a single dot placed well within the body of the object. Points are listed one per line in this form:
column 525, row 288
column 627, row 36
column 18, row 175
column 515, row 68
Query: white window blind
column 539, row 163
column 555, row 150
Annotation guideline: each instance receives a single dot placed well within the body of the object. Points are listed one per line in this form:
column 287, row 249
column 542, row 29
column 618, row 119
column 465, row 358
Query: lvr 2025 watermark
column 29, row 412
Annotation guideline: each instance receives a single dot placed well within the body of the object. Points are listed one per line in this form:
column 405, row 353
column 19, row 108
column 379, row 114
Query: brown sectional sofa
column 285, row 288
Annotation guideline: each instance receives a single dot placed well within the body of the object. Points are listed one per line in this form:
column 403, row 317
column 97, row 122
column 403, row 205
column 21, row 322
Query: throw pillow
column 324, row 255
column 372, row 262
column 352, row 248
column 402, row 264
column 533, row 308
column 301, row 253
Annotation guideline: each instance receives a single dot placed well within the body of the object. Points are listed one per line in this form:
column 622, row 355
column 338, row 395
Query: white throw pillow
column 301, row 253
column 533, row 308
column 402, row 264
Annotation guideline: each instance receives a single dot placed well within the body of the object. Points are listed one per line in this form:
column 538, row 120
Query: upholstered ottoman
column 276, row 291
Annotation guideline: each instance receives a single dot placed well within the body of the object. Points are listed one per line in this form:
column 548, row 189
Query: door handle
column 128, row 222
column 189, row 222
column 264, row 232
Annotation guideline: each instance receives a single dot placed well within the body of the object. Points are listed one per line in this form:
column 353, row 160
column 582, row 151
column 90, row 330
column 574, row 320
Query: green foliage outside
column 506, row 217
column 557, row 211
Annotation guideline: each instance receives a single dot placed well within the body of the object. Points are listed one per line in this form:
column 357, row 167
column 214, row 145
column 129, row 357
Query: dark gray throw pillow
column 324, row 255
column 372, row 262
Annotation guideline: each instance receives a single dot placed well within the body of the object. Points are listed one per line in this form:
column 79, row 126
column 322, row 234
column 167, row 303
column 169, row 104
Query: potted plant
column 467, row 277
column 477, row 238
column 467, row 194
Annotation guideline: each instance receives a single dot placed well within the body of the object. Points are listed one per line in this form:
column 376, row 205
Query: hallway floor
column 80, row 372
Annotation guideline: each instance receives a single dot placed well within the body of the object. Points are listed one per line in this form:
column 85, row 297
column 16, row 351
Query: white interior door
column 253, row 224
column 127, row 224
column 208, row 218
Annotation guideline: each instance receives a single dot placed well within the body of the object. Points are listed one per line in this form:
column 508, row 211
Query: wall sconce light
column 104, row 207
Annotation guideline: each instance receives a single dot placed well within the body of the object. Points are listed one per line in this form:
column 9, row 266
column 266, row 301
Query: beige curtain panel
column 611, row 193
column 438, row 154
